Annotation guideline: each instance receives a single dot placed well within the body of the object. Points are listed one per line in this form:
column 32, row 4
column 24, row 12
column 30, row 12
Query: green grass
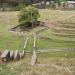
column 60, row 54
column 61, row 59
column 67, row 19
column 54, row 41
column 55, row 15
column 11, row 41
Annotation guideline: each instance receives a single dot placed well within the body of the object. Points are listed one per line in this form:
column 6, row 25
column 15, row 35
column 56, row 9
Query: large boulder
column 5, row 56
column 16, row 55
column 22, row 54
column 11, row 55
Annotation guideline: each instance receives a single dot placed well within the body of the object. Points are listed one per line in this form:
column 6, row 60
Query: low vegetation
column 48, row 63
column 55, row 62
column 28, row 16
column 7, row 37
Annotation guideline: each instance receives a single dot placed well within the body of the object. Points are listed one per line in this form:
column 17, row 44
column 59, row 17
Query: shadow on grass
column 27, row 27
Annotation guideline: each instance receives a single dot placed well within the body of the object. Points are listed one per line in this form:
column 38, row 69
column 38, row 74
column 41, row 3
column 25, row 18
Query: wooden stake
column 25, row 44
column 34, row 56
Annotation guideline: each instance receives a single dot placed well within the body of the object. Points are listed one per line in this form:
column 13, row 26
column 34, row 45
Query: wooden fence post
column 25, row 44
column 34, row 56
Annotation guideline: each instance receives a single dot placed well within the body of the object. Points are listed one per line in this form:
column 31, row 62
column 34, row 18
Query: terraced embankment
column 65, row 30
column 61, row 34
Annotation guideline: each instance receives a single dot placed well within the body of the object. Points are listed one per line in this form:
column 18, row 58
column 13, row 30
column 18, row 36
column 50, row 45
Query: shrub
column 28, row 15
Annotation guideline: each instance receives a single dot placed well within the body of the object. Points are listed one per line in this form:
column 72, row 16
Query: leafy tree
column 59, row 2
column 28, row 16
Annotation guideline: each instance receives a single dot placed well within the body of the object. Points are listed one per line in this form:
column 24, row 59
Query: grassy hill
column 60, row 34
column 13, row 41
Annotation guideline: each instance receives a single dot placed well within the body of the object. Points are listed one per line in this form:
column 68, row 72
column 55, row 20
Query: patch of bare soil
column 28, row 27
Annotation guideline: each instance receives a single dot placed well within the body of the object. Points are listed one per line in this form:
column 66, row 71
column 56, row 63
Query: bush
column 28, row 15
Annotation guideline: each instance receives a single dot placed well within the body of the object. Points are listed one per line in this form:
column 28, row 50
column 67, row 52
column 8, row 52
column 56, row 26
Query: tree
column 64, row 3
column 59, row 2
column 28, row 16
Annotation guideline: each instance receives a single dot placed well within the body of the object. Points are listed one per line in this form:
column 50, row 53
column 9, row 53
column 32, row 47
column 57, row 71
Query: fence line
column 52, row 50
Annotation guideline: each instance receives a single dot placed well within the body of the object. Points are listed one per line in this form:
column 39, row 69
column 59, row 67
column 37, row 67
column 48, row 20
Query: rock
column 16, row 55
column 22, row 54
column 5, row 56
column 11, row 55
